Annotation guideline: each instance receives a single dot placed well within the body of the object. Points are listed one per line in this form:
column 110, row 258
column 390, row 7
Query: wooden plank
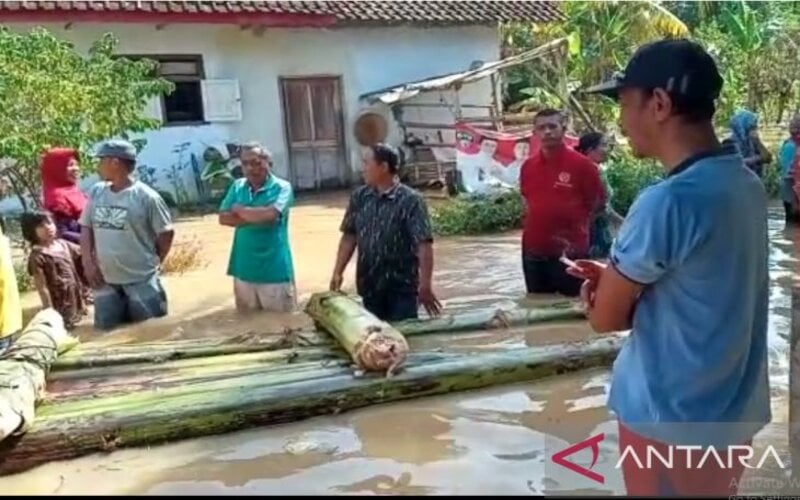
column 431, row 126
column 436, row 105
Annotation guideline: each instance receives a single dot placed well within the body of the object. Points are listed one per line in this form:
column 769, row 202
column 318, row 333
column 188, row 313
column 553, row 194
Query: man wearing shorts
column 126, row 234
column 689, row 277
column 562, row 190
column 261, row 258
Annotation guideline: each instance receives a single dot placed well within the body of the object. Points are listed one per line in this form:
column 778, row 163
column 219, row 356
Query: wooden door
column 312, row 113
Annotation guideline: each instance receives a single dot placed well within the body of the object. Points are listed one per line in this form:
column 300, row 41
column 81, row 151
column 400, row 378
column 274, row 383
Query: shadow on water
column 493, row 441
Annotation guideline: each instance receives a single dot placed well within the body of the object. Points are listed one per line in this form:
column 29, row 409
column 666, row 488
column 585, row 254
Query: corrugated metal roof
column 401, row 92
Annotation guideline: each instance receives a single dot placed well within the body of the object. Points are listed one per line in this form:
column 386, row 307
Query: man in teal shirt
column 261, row 258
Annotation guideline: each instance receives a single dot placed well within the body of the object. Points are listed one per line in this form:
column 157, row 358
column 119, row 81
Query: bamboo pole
column 88, row 355
column 77, row 428
column 23, row 368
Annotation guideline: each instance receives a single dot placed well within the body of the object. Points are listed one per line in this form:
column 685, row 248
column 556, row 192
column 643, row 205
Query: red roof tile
column 463, row 12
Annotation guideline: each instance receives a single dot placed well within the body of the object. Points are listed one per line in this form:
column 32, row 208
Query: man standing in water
column 562, row 190
column 126, row 234
column 389, row 224
column 688, row 275
column 261, row 258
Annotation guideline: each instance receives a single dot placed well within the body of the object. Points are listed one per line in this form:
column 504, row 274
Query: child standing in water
column 55, row 265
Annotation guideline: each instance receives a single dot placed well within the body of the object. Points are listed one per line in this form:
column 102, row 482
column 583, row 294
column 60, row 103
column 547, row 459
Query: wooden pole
column 457, row 101
column 497, row 112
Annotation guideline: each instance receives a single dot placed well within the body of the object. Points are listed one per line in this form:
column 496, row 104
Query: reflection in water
column 483, row 442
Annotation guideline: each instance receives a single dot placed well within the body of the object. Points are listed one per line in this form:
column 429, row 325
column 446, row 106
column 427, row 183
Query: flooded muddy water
column 484, row 442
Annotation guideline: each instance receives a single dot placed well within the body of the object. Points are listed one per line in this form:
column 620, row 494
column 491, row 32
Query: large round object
column 370, row 128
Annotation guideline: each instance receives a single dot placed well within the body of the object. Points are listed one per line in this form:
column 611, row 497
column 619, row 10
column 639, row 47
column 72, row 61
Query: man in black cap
column 126, row 234
column 688, row 276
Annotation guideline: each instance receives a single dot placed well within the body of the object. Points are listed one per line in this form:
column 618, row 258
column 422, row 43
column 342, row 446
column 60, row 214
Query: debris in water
column 61, row 481
column 300, row 446
column 520, row 456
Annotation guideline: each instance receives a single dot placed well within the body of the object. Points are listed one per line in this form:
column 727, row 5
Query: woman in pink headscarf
column 62, row 196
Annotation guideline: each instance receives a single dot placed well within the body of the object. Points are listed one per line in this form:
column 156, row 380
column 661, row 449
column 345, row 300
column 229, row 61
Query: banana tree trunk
column 98, row 355
column 23, row 368
column 71, row 429
column 374, row 345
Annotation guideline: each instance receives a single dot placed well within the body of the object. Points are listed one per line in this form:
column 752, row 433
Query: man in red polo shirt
column 562, row 190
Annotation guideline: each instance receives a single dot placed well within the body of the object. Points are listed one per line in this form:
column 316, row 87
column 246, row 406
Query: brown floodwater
column 492, row 441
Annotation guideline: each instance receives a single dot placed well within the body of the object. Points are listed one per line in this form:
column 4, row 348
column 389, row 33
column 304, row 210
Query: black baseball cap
column 678, row 66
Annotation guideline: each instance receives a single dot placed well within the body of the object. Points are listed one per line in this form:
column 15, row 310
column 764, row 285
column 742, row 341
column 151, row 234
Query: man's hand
column 589, row 271
column 429, row 301
column 93, row 274
column 588, row 291
column 336, row 282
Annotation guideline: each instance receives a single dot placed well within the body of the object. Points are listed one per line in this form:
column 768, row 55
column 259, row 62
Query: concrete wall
column 366, row 59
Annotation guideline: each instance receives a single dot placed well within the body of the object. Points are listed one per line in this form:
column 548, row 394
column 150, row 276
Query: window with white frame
column 195, row 100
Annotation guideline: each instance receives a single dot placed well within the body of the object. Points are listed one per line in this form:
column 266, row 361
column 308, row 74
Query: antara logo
column 594, row 443
column 674, row 456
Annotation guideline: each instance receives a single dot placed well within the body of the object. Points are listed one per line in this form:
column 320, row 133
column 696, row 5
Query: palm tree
column 602, row 37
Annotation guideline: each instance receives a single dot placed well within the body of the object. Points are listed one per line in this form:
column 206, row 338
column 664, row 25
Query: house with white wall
column 287, row 74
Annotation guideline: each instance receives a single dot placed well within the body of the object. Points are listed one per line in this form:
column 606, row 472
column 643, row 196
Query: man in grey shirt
column 126, row 233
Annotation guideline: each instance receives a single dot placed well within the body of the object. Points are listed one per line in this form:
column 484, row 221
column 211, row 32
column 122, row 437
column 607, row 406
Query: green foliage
column 627, row 176
column 601, row 36
column 772, row 180
column 24, row 279
column 755, row 44
column 462, row 215
column 52, row 95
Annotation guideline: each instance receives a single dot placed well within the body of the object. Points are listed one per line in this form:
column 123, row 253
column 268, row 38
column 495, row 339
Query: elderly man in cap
column 261, row 258
column 126, row 234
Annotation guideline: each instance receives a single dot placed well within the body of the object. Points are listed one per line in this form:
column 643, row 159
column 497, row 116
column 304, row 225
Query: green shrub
column 627, row 176
column 772, row 179
column 24, row 280
column 462, row 215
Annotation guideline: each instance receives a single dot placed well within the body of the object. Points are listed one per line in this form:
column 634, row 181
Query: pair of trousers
column 549, row 275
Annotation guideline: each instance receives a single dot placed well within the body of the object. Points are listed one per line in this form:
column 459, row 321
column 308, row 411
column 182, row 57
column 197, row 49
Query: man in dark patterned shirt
column 389, row 224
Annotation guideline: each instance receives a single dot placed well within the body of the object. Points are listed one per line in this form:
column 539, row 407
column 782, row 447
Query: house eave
column 276, row 20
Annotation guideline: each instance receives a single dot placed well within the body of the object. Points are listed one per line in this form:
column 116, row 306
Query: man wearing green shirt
column 261, row 258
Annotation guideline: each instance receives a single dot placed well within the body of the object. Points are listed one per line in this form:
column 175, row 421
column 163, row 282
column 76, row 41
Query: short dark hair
column 29, row 221
column 546, row 112
column 383, row 153
column 691, row 109
column 588, row 142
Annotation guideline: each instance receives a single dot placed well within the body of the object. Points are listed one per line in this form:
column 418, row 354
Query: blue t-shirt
column 786, row 158
column 694, row 368
column 261, row 253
